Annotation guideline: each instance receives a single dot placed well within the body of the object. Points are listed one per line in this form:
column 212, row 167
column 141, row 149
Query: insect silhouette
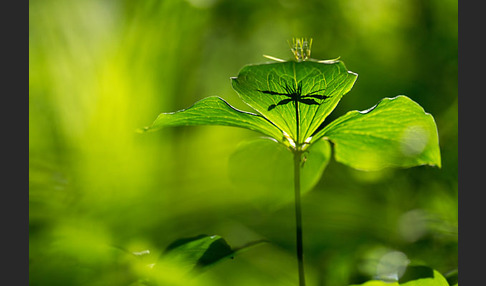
column 294, row 94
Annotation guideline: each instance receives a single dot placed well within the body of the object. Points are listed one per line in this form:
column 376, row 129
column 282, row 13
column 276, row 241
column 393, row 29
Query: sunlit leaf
column 413, row 276
column 377, row 283
column 277, row 90
column 397, row 132
column 262, row 169
column 422, row 276
column 215, row 111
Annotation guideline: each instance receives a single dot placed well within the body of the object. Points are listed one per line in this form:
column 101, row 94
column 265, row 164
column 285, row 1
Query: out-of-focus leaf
column 377, row 283
column 262, row 170
column 413, row 276
column 396, row 132
column 274, row 90
column 215, row 111
column 202, row 251
column 422, row 276
column 198, row 251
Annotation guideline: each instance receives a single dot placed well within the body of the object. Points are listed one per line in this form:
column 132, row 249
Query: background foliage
column 98, row 70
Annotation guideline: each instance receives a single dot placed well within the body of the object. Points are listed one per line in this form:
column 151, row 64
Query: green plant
column 293, row 98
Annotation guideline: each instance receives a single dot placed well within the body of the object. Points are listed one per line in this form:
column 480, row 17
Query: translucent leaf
column 377, row 283
column 396, row 132
column 282, row 91
column 414, row 276
column 422, row 276
column 215, row 111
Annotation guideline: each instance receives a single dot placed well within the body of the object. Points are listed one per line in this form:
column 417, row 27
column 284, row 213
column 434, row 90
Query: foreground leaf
column 275, row 89
column 413, row 276
column 422, row 276
column 377, row 283
column 397, row 132
column 215, row 111
column 202, row 251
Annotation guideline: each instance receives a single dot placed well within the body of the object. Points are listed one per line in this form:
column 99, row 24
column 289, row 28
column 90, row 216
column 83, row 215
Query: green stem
column 298, row 216
column 298, row 211
column 297, row 126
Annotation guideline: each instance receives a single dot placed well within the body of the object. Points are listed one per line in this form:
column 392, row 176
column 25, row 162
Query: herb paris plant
column 292, row 99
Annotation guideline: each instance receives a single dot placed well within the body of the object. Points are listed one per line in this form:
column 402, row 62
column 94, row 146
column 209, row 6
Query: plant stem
column 297, row 126
column 298, row 216
column 298, row 211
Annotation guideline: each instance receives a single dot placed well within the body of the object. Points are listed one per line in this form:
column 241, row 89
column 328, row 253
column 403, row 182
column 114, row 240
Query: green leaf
column 413, row 276
column 202, row 251
column 396, row 132
column 262, row 170
column 377, row 283
column 422, row 276
column 276, row 89
column 215, row 111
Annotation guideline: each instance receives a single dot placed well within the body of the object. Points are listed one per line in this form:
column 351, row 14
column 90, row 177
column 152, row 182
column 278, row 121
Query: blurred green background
column 98, row 70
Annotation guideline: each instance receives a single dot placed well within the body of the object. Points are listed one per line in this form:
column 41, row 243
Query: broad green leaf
column 396, row 132
column 278, row 90
column 202, row 251
column 262, row 170
column 422, row 276
column 198, row 251
column 413, row 276
column 215, row 111
column 377, row 283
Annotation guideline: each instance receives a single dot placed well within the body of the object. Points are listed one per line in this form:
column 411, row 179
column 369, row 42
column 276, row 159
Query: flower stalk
column 298, row 215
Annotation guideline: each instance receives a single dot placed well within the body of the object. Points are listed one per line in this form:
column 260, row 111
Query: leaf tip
column 330, row 62
column 273, row 58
